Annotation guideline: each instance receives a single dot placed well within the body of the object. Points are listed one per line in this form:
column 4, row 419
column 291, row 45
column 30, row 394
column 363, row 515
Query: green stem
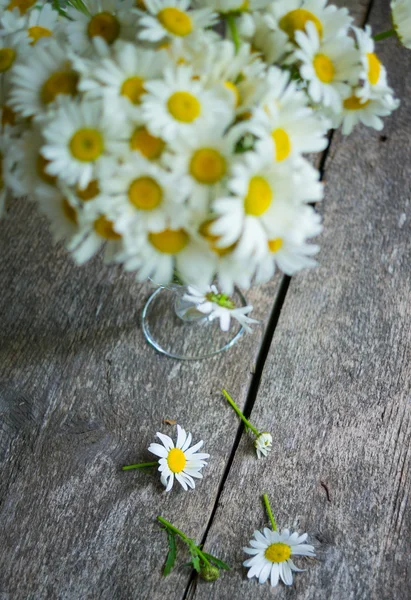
column 240, row 414
column 233, row 30
column 168, row 525
column 384, row 35
column 140, row 466
column 203, row 558
column 269, row 512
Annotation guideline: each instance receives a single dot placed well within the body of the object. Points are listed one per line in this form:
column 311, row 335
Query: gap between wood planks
column 189, row 592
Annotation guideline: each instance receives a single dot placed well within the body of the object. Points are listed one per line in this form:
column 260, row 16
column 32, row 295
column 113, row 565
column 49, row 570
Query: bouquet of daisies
column 173, row 133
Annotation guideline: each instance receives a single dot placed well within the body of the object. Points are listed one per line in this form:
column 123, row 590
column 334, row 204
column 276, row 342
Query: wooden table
column 329, row 375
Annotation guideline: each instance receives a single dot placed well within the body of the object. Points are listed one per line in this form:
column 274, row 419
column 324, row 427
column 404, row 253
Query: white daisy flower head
column 263, row 444
column 40, row 78
column 40, row 24
column 219, row 306
column 271, row 45
column 13, row 46
column 368, row 112
column 401, row 17
column 291, row 16
column 179, row 461
column 120, row 78
column 178, row 105
column 136, row 137
column 96, row 231
column 159, row 254
column 289, row 249
column 204, row 161
column 271, row 555
column 144, row 194
column 77, row 138
column 330, row 68
column 105, row 20
column 374, row 74
column 63, row 217
column 19, row 7
column 172, row 18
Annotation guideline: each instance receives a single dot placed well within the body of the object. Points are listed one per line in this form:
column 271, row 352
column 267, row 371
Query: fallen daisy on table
column 206, row 565
column 177, row 461
column 263, row 441
column 271, row 552
column 219, row 306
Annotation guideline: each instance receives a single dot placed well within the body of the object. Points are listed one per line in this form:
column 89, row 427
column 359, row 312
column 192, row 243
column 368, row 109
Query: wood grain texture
column 81, row 394
column 335, row 391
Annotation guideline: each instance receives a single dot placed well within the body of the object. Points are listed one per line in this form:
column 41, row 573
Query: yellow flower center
column 41, row 164
column 204, row 231
column 61, row 82
column 296, row 20
column 104, row 25
column 144, row 193
column 69, row 212
column 175, row 21
column 184, row 107
column 8, row 116
column 234, row 89
column 278, row 552
column 7, row 57
column 275, row 245
column 324, row 68
column 169, row 241
column 207, row 166
column 89, row 192
column 176, row 460
column 282, row 144
column 104, row 228
column 133, row 89
column 37, row 33
column 87, row 145
column 374, row 68
column 150, row 146
column 354, row 103
column 22, row 5
column 259, row 196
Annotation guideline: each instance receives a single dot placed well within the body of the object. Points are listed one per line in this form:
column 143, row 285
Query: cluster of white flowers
column 137, row 127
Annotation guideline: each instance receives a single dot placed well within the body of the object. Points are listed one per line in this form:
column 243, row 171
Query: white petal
column 167, row 441
column 158, row 450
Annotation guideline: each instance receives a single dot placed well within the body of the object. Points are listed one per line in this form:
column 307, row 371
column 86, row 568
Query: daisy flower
column 136, row 137
column 12, row 47
column 62, row 216
column 179, row 461
column 76, row 140
column 271, row 553
column 96, row 230
column 288, row 249
column 374, row 76
column 291, row 125
column 271, row 45
column 291, row 16
column 204, row 162
column 107, row 20
column 144, row 194
column 18, row 6
column 263, row 444
column 369, row 113
column 40, row 78
column 120, row 79
column 177, row 105
column 172, row 18
column 330, row 68
column 39, row 24
column 219, row 306
column 401, row 17
column 158, row 254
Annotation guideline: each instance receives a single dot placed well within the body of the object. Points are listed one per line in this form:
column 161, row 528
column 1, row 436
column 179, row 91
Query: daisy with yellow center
column 97, row 230
column 374, row 74
column 40, row 78
column 76, row 139
column 63, row 216
column 179, row 461
column 357, row 110
column 104, row 22
column 401, row 17
column 43, row 24
column 140, row 191
column 328, row 68
column 172, row 19
column 271, row 552
column 293, row 16
column 120, row 79
column 178, row 105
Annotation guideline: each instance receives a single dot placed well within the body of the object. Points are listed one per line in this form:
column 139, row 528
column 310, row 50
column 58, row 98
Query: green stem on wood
column 140, row 465
column 239, row 413
column 269, row 512
column 384, row 34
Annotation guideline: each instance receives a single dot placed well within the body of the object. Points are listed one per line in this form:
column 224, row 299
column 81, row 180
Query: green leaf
column 219, row 563
column 172, row 552
column 195, row 559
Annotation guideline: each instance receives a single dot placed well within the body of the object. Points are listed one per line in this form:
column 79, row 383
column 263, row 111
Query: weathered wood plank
column 336, row 387
column 81, row 394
